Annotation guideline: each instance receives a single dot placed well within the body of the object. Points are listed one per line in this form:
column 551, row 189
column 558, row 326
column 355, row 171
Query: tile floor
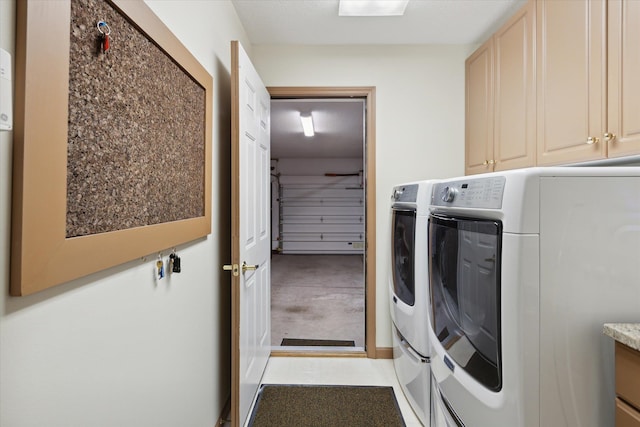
column 339, row 371
column 298, row 282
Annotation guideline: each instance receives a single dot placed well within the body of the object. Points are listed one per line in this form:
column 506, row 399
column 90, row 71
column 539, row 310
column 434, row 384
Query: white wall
column 115, row 348
column 419, row 117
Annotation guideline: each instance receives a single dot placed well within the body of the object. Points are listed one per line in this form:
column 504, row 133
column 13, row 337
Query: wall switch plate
column 6, row 98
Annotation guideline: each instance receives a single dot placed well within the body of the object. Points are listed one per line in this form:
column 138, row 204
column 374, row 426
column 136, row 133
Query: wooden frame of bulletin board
column 44, row 253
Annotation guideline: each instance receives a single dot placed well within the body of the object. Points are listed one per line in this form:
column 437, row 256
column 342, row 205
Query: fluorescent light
column 307, row 124
column 372, row 7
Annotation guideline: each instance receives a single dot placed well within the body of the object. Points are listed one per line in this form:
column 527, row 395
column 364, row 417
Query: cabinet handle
column 609, row 137
column 488, row 162
column 593, row 140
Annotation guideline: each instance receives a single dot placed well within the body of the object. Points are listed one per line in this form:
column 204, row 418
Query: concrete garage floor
column 317, row 297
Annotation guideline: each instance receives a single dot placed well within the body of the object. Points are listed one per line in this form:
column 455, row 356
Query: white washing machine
column 525, row 267
column 409, row 293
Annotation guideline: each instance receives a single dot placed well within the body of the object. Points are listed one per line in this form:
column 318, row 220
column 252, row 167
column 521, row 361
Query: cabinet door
column 571, row 81
column 626, row 416
column 514, row 128
column 624, row 77
column 479, row 110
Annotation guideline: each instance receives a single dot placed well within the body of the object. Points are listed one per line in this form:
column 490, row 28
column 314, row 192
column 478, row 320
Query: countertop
column 626, row 333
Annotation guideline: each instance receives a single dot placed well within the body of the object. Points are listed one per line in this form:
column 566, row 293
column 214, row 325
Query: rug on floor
column 301, row 342
column 325, row 405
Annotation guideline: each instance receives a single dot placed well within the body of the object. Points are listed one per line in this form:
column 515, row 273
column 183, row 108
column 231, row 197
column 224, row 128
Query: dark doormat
column 320, row 406
column 299, row 342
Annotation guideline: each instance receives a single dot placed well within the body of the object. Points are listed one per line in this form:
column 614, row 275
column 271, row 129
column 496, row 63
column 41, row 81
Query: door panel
column 251, row 246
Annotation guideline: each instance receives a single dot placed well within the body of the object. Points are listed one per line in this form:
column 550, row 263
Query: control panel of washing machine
column 405, row 193
column 481, row 193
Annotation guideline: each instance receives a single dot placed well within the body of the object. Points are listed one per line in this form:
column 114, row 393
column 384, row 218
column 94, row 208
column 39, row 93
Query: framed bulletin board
column 112, row 150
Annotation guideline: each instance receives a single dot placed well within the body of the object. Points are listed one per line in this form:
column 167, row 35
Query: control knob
column 448, row 194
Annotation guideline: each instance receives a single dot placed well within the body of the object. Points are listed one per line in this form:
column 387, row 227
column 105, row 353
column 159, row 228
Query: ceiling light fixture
column 372, row 7
column 307, row 124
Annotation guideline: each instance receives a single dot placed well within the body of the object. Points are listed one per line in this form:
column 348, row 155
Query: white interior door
column 251, row 239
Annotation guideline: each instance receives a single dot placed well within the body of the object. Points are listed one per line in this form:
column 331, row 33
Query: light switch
column 6, row 98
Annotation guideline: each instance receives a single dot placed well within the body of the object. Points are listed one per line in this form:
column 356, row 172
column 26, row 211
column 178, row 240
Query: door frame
column 368, row 93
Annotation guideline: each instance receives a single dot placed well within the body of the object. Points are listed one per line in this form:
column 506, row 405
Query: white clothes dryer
column 525, row 267
column 409, row 293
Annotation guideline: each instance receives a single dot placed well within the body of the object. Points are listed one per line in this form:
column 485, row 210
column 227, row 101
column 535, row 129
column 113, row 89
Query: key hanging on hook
column 176, row 265
column 105, row 31
column 175, row 262
column 160, row 267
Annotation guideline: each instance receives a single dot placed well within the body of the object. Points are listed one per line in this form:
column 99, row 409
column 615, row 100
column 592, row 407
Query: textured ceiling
column 339, row 124
column 424, row 22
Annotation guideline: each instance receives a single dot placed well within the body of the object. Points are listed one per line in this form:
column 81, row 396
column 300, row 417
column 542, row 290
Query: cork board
column 136, row 129
column 112, row 152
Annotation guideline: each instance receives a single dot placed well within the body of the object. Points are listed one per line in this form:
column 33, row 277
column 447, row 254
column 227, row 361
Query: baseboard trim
column 384, row 353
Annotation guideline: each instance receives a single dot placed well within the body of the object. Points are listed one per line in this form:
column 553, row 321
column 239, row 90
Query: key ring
column 103, row 27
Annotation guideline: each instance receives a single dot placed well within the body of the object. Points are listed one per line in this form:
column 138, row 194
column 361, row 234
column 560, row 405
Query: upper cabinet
column 575, row 98
column 515, row 97
column 624, row 78
column 571, row 74
column 479, row 110
column 588, row 80
column 500, row 98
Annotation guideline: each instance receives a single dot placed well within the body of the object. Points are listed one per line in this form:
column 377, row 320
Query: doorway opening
column 322, row 268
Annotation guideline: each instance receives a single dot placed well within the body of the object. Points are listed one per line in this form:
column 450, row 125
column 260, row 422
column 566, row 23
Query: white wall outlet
column 6, row 98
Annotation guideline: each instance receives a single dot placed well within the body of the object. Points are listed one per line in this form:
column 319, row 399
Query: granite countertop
column 626, row 333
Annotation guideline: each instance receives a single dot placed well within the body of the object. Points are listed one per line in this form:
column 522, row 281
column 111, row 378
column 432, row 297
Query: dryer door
column 403, row 233
column 464, row 274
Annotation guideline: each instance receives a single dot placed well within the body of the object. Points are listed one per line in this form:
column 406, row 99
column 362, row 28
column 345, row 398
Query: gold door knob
column 246, row 267
column 609, row 137
column 593, row 140
column 231, row 267
column 488, row 162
